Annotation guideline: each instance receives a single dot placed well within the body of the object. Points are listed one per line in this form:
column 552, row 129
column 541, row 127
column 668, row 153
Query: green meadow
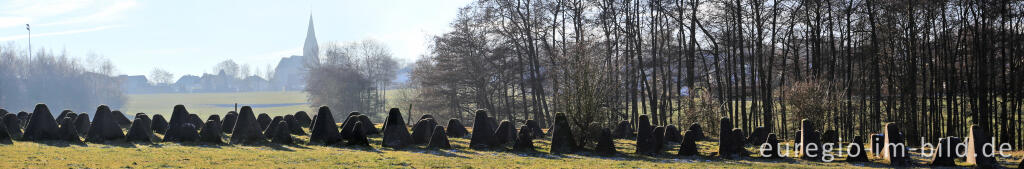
column 205, row 104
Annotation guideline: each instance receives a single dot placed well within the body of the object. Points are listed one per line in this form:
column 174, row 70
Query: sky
column 191, row 36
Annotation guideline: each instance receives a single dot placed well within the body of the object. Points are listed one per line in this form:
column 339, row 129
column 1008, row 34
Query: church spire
column 311, row 50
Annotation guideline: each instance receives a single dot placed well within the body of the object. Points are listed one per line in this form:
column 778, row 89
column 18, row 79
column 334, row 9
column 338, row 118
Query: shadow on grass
column 115, row 143
column 340, row 145
column 200, row 144
column 445, row 153
column 297, row 146
column 118, row 143
column 156, row 145
column 61, row 143
column 362, row 148
column 538, row 154
column 452, row 152
column 278, row 147
column 412, row 147
column 459, row 141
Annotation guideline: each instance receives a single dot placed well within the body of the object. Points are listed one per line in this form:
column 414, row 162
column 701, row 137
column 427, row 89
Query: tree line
column 933, row 67
column 56, row 79
column 351, row 76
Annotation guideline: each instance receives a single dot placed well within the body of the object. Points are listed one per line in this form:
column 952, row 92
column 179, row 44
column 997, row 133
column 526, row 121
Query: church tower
column 311, row 50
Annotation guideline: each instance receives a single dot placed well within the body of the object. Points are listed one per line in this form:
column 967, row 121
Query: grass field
column 205, row 104
column 58, row 154
column 55, row 154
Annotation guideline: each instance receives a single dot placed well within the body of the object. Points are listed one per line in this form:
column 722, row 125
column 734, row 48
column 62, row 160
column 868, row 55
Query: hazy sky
column 191, row 36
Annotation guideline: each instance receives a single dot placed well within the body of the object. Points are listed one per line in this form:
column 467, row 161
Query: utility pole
column 29, row 41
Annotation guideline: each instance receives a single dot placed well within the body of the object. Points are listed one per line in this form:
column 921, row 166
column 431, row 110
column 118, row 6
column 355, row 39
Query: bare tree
column 933, row 67
column 269, row 72
column 245, row 71
column 161, row 76
column 229, row 67
column 353, row 77
column 57, row 80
